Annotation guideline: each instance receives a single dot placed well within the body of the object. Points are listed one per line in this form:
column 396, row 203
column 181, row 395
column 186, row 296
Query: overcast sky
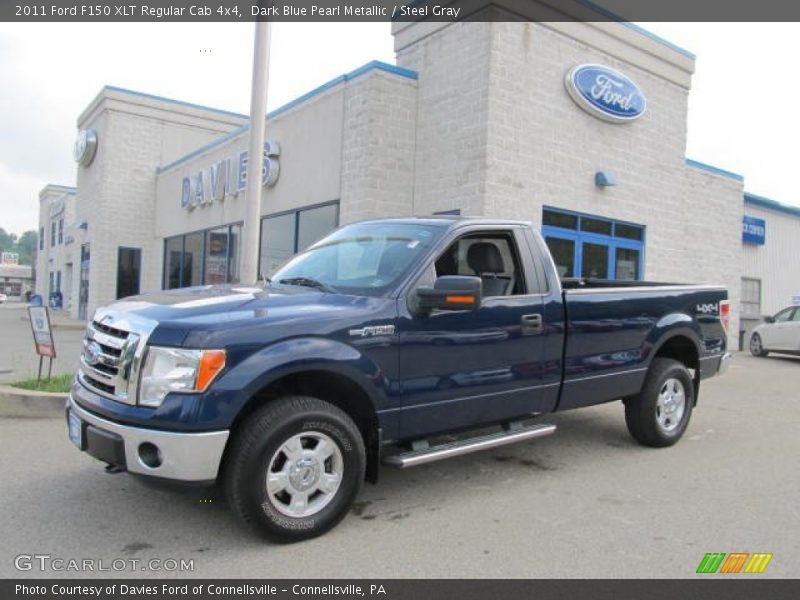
column 742, row 112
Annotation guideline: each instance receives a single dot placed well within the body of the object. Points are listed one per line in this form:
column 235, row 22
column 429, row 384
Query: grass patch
column 58, row 383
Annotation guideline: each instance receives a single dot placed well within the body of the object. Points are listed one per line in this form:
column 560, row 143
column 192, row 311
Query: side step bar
column 423, row 453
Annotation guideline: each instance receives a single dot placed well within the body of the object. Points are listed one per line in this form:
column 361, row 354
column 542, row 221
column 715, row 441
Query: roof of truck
column 447, row 220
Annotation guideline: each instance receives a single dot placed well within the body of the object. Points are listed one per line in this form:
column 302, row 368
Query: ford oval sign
column 605, row 93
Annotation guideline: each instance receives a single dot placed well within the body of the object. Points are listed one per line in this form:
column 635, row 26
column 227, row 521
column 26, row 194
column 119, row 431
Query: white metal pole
column 258, row 110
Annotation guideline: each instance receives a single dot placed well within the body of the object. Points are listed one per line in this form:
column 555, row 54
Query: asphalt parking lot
column 18, row 359
column 585, row 502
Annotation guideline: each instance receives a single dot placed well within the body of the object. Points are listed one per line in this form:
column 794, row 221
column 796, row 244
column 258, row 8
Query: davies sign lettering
column 227, row 177
column 605, row 93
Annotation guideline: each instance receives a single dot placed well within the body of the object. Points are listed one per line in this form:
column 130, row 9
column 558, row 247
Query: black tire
column 757, row 346
column 643, row 411
column 261, row 441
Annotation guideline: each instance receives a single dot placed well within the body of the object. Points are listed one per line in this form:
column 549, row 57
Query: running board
column 423, row 453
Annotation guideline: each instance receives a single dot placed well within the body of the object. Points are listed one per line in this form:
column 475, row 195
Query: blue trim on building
column 217, row 142
column 771, row 204
column 615, row 17
column 370, row 66
column 374, row 65
column 173, row 101
column 712, row 169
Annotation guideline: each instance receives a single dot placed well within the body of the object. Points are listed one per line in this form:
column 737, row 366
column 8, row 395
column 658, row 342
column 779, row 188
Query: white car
column 780, row 333
column 3, row 298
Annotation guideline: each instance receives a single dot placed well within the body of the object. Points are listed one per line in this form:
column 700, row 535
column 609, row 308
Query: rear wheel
column 757, row 346
column 660, row 413
column 294, row 468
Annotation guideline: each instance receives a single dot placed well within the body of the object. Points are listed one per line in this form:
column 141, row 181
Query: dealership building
column 577, row 127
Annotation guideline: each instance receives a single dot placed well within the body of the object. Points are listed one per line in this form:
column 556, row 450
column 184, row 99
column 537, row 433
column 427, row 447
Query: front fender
column 231, row 392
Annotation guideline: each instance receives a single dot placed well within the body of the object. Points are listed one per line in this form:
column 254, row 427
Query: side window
column 491, row 256
column 796, row 315
column 784, row 315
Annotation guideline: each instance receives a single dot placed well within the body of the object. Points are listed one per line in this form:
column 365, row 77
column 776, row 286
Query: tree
column 25, row 245
column 7, row 241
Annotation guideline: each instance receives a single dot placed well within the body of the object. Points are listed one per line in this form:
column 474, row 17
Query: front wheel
column 660, row 413
column 757, row 346
column 294, row 468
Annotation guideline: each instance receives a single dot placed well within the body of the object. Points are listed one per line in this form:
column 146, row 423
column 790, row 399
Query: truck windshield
column 365, row 259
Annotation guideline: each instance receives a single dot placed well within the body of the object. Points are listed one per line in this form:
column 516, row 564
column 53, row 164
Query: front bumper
column 190, row 457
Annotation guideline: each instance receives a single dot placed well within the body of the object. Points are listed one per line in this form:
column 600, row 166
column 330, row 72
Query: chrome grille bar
column 113, row 350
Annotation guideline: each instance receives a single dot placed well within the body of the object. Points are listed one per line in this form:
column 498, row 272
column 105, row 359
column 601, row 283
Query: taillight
column 725, row 313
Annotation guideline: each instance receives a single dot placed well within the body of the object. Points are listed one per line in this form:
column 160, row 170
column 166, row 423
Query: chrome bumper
column 724, row 363
column 185, row 456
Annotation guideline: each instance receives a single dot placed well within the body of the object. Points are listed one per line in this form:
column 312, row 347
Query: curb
column 19, row 403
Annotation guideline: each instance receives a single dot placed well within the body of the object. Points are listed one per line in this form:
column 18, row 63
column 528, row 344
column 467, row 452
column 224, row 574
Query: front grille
column 112, row 352
column 98, row 385
column 119, row 333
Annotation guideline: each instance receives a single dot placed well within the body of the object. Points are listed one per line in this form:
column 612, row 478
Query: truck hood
column 220, row 315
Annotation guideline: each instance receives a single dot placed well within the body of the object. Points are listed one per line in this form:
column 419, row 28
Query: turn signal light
column 460, row 299
column 211, row 363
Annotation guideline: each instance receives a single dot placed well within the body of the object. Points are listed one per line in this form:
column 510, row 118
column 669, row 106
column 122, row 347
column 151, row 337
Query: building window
column 286, row 234
column 203, row 257
column 61, row 231
column 129, row 269
column 52, row 234
column 592, row 246
column 751, row 298
column 41, row 238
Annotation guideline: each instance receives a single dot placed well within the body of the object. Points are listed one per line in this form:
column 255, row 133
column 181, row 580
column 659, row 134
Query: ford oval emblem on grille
column 92, row 353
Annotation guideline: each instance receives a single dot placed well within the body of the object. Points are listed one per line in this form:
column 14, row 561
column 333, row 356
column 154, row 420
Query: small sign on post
column 42, row 336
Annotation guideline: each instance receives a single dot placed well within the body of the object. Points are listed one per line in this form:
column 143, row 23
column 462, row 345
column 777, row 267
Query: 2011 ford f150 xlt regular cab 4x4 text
column 395, row 341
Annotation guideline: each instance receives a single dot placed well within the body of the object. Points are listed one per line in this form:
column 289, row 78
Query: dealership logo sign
column 754, row 230
column 605, row 93
column 228, row 177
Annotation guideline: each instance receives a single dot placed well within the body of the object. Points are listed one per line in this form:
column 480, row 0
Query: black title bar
column 397, row 10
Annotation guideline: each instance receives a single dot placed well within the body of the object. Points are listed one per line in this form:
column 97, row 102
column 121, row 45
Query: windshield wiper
column 309, row 282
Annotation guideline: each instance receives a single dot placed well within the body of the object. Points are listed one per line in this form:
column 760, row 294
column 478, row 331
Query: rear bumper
column 190, row 457
column 724, row 363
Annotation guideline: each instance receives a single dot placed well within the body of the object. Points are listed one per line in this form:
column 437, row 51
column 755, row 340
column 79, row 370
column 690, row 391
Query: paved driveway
column 18, row 359
column 586, row 502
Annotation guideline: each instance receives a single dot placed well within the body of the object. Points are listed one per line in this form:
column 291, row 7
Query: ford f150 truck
column 394, row 341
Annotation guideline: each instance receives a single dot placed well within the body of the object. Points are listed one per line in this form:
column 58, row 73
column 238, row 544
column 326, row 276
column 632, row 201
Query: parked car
column 779, row 333
column 3, row 298
column 394, row 341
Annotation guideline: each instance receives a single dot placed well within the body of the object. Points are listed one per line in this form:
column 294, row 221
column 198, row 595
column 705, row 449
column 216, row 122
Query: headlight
column 177, row 370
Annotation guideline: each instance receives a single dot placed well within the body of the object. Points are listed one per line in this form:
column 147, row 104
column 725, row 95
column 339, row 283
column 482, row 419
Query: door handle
column 532, row 324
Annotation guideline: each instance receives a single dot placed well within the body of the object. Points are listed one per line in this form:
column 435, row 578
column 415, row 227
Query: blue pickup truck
column 393, row 341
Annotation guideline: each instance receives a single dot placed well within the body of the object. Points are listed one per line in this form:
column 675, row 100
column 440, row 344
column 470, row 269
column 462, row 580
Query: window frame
column 578, row 237
column 138, row 253
column 182, row 237
column 296, row 230
column 535, row 287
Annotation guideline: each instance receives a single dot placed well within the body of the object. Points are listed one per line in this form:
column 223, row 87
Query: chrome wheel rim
column 671, row 405
column 304, row 474
column 755, row 344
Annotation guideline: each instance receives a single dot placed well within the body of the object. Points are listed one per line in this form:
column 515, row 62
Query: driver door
column 462, row 368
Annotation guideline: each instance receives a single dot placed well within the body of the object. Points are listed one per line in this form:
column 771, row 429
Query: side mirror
column 451, row 292
column 769, row 319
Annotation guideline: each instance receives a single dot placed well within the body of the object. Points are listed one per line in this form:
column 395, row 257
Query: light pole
column 258, row 114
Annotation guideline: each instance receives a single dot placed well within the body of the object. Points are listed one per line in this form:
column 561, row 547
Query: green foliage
column 57, row 383
column 24, row 245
